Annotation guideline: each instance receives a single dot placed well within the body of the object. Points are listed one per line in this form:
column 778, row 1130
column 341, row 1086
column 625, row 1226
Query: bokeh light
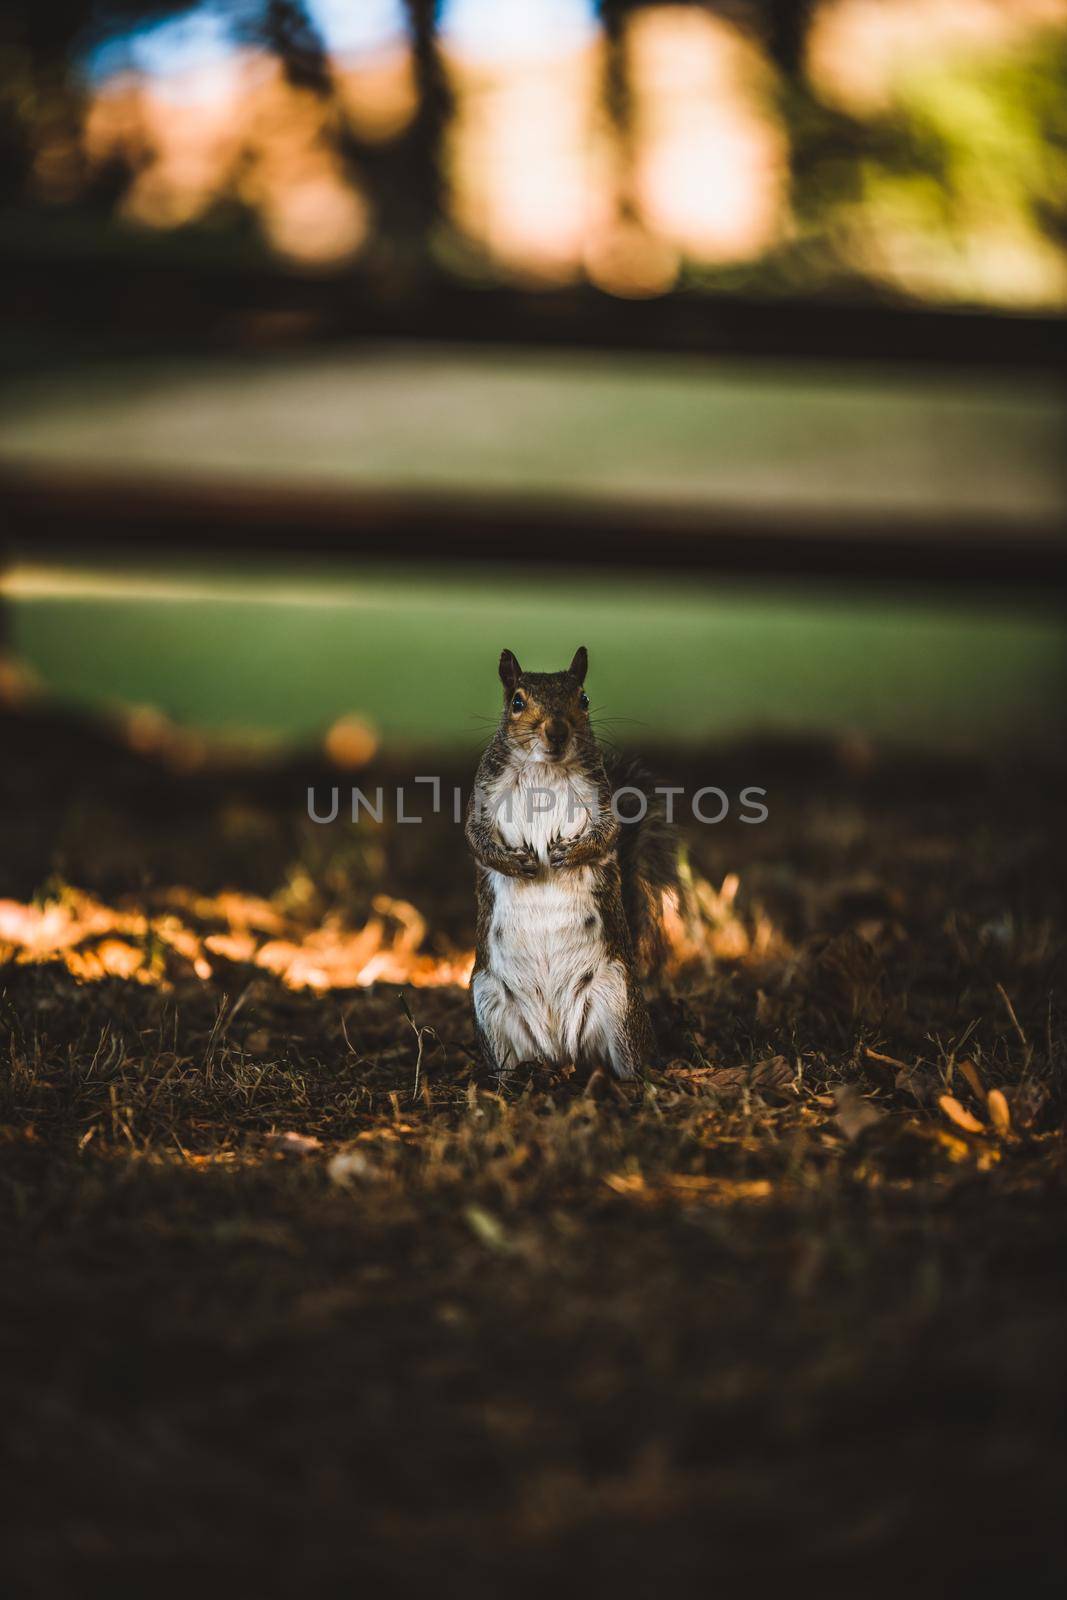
column 917, row 150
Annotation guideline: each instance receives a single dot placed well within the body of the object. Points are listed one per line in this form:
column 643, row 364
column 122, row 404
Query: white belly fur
column 549, row 990
column 541, row 802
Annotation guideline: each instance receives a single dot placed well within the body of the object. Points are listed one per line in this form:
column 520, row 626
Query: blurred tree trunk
column 290, row 34
column 786, row 24
column 424, row 140
column 618, row 102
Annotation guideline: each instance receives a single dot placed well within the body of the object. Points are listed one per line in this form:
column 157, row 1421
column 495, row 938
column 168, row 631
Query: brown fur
column 633, row 863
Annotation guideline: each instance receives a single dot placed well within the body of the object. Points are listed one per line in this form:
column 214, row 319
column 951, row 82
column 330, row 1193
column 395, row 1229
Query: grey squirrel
column 570, row 900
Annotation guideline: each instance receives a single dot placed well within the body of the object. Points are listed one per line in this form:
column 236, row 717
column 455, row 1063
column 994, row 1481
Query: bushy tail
column 648, row 862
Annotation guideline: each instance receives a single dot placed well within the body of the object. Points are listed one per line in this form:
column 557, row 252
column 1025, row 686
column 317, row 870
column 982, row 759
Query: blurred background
column 345, row 343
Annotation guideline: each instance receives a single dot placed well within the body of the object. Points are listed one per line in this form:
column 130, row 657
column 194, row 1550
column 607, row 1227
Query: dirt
column 296, row 1296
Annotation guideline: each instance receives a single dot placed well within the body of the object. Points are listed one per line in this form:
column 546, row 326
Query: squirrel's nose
column 556, row 733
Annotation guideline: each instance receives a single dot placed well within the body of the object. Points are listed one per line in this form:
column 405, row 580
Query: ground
column 295, row 1295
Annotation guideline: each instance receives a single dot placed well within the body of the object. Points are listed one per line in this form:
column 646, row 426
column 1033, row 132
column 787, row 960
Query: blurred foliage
column 957, row 188
column 953, row 188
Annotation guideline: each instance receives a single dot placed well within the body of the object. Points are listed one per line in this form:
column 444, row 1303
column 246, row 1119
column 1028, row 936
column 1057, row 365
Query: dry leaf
column 970, row 1072
column 960, row 1115
column 923, row 1085
column 725, row 1189
column 999, row 1112
column 727, row 1079
column 955, row 1148
column 293, row 1144
column 347, row 1165
column 773, row 1075
column 625, row 1182
column 854, row 1114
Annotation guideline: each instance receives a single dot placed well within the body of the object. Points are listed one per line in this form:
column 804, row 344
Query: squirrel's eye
column 518, row 704
column 583, row 700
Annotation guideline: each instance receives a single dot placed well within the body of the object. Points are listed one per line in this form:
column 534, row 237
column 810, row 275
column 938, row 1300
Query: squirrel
column 569, row 897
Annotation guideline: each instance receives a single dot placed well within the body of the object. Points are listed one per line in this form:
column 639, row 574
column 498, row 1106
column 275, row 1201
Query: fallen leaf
column 960, row 1115
column 293, row 1144
column 773, row 1073
column 970, row 1072
column 688, row 1186
column 854, row 1114
column 773, row 1076
column 729, row 1079
column 692, row 1184
column 999, row 1112
column 955, row 1148
column 625, row 1182
column 923, row 1085
column 347, row 1165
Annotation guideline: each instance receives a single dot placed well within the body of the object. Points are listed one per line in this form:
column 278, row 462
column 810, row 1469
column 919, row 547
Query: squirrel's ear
column 580, row 665
column 510, row 671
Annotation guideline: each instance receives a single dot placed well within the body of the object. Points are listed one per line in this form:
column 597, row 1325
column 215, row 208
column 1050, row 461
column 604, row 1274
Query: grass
column 672, row 430
column 294, row 1295
column 283, row 653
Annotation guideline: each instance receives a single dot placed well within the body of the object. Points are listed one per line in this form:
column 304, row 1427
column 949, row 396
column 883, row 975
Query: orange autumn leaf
column 999, row 1111
column 960, row 1115
column 970, row 1072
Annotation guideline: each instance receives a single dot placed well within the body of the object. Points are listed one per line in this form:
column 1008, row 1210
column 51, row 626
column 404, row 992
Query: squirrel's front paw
column 525, row 863
column 561, row 852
